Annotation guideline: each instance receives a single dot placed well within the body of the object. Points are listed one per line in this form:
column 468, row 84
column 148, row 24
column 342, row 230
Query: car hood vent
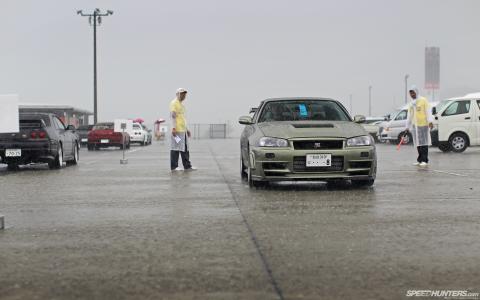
column 313, row 125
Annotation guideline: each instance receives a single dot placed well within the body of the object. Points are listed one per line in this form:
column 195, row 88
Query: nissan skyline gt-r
column 306, row 139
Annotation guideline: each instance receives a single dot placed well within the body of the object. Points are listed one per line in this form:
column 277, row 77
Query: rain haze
column 231, row 54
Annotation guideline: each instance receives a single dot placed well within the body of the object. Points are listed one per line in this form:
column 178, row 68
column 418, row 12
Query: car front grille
column 318, row 144
column 300, row 165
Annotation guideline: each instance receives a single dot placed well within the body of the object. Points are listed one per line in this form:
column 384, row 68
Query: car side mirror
column 359, row 119
column 71, row 128
column 434, row 111
column 245, row 120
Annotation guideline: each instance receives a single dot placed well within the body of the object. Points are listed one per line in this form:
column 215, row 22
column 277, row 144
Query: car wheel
column 407, row 138
column 458, row 142
column 90, row 147
column 444, row 147
column 76, row 156
column 57, row 163
column 363, row 182
column 12, row 167
column 128, row 145
column 243, row 174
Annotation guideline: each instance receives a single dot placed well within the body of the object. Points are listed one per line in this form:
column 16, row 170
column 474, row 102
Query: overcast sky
column 232, row 54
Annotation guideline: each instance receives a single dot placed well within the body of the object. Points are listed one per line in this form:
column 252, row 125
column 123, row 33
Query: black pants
column 422, row 154
column 185, row 158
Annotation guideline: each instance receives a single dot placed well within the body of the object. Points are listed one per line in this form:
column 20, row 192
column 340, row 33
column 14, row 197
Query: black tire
column 57, row 163
column 445, row 147
column 12, row 167
column 243, row 173
column 90, row 147
column 128, row 145
column 407, row 140
column 458, row 142
column 363, row 182
column 76, row 156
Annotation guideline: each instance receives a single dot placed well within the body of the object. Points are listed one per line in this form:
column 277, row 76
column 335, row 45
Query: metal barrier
column 209, row 131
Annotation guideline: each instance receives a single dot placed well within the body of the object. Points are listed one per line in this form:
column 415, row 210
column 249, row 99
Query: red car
column 102, row 135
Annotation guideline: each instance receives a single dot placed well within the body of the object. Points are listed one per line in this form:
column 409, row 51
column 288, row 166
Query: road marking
column 449, row 173
column 253, row 237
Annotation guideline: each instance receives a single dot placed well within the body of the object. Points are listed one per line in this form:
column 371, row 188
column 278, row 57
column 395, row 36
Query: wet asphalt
column 101, row 230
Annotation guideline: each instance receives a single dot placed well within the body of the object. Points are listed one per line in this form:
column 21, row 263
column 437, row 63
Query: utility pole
column 95, row 19
column 370, row 101
column 406, row 88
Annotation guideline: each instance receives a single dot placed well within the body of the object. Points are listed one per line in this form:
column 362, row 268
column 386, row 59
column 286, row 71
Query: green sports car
column 305, row 139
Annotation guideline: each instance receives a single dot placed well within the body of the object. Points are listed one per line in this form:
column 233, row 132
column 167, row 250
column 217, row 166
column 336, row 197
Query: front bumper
column 275, row 164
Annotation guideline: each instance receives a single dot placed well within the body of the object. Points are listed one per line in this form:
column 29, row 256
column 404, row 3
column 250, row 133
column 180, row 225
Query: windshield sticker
column 303, row 110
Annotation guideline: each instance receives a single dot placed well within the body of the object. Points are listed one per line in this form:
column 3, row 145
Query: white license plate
column 13, row 152
column 84, row 140
column 319, row 160
column 104, row 141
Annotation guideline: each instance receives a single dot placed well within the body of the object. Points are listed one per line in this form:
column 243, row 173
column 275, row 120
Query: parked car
column 149, row 134
column 457, row 123
column 43, row 138
column 82, row 132
column 103, row 135
column 139, row 134
column 305, row 139
column 371, row 125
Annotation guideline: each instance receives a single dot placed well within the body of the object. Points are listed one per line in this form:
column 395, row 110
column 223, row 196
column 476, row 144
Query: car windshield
column 303, row 110
column 103, row 126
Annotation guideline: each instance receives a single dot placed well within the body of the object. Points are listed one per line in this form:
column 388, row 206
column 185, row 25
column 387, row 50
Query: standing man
column 180, row 133
column 419, row 123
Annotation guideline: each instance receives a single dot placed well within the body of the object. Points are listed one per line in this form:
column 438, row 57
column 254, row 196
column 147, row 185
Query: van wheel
column 76, row 156
column 444, row 147
column 458, row 142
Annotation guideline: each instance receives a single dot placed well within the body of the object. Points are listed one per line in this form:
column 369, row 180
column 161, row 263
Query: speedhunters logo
column 445, row 294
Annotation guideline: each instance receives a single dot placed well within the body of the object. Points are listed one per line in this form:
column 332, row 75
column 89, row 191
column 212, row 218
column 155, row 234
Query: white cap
column 181, row 90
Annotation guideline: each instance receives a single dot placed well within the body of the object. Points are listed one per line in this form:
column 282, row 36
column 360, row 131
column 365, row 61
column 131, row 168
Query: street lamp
column 95, row 19
column 406, row 88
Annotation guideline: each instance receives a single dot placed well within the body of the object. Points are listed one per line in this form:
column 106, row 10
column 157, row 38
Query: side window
column 59, row 124
column 478, row 102
column 401, row 116
column 457, row 108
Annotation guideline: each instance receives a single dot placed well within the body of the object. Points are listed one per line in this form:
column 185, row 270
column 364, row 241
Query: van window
column 457, row 108
column 401, row 116
column 478, row 102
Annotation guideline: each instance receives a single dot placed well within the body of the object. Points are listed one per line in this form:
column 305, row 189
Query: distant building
column 68, row 114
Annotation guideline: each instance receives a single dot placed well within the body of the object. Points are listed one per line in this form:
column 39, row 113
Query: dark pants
column 185, row 158
column 422, row 154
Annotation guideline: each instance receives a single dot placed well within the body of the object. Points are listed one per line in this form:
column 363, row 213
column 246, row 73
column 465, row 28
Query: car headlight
column 359, row 141
column 272, row 142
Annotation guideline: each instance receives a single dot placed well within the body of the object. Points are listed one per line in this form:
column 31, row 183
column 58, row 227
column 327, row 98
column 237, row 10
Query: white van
column 457, row 123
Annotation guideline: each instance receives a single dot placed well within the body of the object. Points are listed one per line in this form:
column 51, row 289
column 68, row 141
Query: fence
column 208, row 131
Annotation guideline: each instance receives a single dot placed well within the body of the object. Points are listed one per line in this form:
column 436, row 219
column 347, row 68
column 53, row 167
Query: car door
column 457, row 116
column 477, row 123
column 398, row 124
column 64, row 136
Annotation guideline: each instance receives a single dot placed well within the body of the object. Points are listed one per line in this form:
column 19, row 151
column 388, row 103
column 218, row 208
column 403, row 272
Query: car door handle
column 467, row 118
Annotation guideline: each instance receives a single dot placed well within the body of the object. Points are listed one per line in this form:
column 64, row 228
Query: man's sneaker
column 416, row 164
column 423, row 164
column 191, row 169
column 175, row 170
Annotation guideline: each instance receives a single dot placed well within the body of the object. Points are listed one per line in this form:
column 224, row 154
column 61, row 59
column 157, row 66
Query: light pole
column 406, row 88
column 95, row 19
column 370, row 101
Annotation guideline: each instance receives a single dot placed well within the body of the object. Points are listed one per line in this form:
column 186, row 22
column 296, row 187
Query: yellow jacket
column 419, row 113
column 177, row 111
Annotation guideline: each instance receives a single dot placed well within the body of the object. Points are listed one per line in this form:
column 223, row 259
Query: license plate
column 104, row 141
column 13, row 152
column 319, row 160
column 84, row 140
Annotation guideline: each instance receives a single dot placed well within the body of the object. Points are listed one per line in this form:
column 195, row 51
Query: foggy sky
column 232, row 54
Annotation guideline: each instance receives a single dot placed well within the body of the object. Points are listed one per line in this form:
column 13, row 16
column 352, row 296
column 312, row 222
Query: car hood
column 288, row 130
